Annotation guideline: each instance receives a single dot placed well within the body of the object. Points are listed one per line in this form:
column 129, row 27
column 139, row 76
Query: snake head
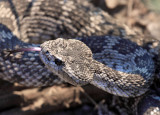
column 70, row 59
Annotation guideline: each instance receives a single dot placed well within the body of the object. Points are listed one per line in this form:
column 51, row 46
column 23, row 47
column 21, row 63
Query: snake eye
column 58, row 62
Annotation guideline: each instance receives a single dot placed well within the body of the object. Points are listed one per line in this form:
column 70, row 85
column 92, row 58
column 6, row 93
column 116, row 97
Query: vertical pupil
column 58, row 62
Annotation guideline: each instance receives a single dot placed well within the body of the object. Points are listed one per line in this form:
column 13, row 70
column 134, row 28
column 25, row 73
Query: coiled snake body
column 129, row 68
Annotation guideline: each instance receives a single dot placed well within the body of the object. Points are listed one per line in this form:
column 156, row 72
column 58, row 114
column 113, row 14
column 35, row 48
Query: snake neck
column 117, row 82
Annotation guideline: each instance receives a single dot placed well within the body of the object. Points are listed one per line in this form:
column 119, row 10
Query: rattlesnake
column 46, row 19
column 77, row 67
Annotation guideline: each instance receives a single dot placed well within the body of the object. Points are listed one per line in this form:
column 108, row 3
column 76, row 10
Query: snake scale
column 36, row 21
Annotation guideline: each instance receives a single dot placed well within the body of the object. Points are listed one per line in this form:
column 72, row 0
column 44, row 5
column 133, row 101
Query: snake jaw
column 58, row 67
column 48, row 60
column 67, row 62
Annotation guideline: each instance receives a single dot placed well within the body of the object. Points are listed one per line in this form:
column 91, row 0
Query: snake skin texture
column 56, row 19
column 77, row 66
column 52, row 21
column 36, row 21
column 25, row 68
column 40, row 20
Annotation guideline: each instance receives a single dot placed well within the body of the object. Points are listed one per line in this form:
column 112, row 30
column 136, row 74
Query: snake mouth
column 53, row 63
column 58, row 67
column 51, row 58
